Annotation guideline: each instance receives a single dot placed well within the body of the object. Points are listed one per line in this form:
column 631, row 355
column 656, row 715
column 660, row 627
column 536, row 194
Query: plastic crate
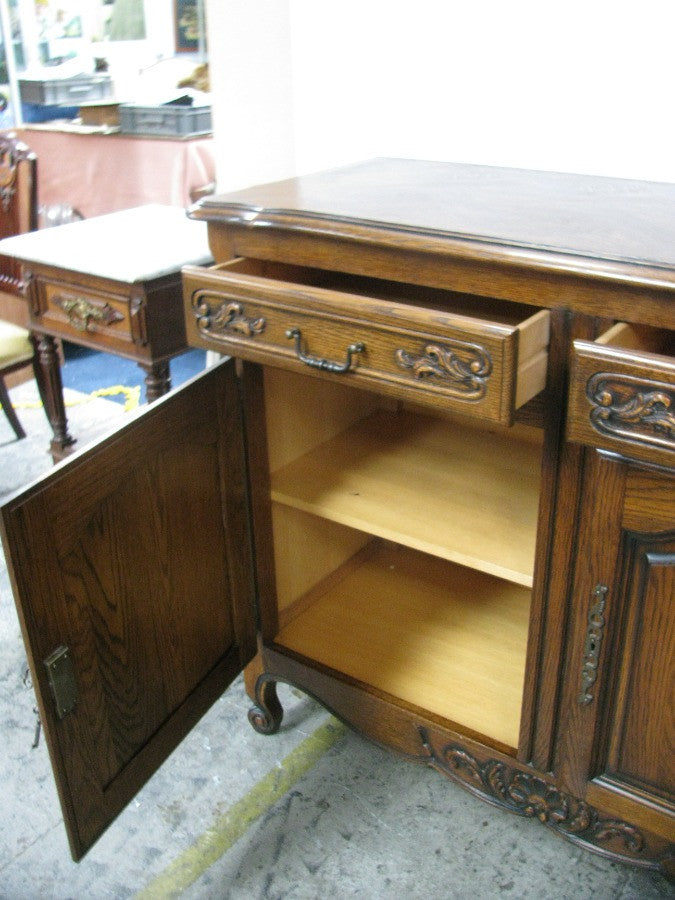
column 66, row 91
column 166, row 121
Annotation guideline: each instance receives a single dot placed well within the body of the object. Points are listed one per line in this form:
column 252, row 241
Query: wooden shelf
column 458, row 492
column 442, row 637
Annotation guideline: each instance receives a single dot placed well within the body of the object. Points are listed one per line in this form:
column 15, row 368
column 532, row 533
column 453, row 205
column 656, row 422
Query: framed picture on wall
column 189, row 19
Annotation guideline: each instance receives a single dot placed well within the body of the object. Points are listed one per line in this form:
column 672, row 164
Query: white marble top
column 130, row 246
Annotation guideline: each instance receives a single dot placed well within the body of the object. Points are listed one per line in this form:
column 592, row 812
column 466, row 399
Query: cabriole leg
column 268, row 712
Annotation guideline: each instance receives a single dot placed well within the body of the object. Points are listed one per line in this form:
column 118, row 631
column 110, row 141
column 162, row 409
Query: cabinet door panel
column 130, row 568
column 643, row 726
column 617, row 730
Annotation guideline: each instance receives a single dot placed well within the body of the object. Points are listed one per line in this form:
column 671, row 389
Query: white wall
column 250, row 68
column 581, row 85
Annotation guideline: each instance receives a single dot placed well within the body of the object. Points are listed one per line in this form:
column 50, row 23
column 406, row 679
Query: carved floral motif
column 217, row 317
column 626, row 407
column 531, row 796
column 462, row 367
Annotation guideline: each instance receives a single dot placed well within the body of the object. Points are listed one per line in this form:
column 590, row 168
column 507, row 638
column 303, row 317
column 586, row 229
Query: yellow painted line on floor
column 227, row 830
column 132, row 396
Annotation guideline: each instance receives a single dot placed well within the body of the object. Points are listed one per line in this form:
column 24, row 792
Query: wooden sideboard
column 433, row 485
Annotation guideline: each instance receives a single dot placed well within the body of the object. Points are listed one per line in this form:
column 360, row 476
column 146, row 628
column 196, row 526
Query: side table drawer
column 479, row 355
column 88, row 316
column 622, row 393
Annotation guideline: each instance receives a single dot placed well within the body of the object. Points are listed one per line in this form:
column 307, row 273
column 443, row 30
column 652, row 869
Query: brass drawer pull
column 80, row 312
column 324, row 364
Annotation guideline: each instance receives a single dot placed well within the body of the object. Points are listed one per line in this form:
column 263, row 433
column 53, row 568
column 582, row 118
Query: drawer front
column 427, row 356
column 98, row 318
column 623, row 400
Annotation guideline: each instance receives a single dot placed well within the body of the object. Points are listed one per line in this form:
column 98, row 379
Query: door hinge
column 61, row 679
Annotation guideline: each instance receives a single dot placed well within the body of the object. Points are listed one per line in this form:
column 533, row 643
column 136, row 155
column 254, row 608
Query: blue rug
column 89, row 371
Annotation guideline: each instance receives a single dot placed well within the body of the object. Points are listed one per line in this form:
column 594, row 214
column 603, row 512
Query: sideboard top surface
column 619, row 221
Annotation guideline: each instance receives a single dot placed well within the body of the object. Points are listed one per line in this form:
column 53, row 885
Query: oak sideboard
column 432, row 484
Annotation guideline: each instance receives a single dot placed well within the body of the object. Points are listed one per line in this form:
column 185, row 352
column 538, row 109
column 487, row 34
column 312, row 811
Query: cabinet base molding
column 499, row 781
column 528, row 794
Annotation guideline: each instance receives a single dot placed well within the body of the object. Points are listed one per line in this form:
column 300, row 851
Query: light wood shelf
column 442, row 637
column 458, row 492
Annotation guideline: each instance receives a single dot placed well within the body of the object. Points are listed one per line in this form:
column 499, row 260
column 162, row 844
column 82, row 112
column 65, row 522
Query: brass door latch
column 61, row 677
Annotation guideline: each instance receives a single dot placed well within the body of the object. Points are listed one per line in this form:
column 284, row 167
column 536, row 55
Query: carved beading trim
column 626, row 407
column 8, row 181
column 7, row 192
column 80, row 312
column 530, row 796
column 592, row 644
column 462, row 367
column 217, row 317
column 138, row 319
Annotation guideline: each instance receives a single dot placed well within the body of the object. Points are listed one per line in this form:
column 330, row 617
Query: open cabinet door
column 131, row 568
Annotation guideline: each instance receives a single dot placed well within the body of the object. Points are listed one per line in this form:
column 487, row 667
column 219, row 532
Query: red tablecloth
column 99, row 174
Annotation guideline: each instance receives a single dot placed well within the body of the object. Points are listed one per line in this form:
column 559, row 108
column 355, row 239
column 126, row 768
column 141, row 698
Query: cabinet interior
column 638, row 337
column 450, row 303
column 404, row 548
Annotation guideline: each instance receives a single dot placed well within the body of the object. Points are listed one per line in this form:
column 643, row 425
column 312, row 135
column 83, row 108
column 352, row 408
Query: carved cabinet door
column 617, row 729
column 131, row 569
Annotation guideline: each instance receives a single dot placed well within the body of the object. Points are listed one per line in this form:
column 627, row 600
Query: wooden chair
column 18, row 214
column 17, row 349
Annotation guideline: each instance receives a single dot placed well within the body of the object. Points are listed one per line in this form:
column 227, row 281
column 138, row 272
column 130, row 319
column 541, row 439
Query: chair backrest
column 18, row 203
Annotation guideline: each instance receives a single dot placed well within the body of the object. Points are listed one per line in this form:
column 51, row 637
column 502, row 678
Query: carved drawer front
column 477, row 354
column 622, row 393
column 101, row 318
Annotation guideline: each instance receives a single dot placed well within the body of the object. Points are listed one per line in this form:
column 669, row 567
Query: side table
column 111, row 283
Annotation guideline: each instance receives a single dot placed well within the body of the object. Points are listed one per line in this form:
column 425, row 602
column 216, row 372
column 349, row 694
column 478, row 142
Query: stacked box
column 65, row 91
column 166, row 120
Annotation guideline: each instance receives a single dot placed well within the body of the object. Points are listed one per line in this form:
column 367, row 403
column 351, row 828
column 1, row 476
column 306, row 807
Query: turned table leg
column 48, row 377
column 157, row 379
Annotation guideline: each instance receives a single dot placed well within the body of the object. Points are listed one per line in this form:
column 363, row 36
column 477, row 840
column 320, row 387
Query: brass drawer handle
column 80, row 311
column 324, row 364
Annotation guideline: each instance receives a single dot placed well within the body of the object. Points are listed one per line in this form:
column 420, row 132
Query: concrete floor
column 312, row 812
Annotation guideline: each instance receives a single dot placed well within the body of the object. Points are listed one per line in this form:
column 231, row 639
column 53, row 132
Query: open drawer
column 622, row 393
column 482, row 356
